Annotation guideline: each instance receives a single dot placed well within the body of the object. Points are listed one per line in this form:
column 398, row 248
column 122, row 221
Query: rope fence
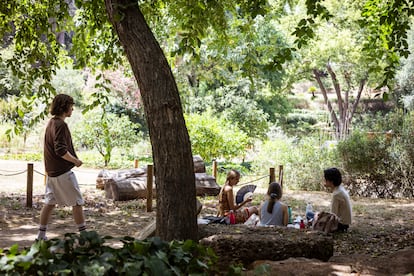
column 271, row 175
column 13, row 173
column 255, row 180
column 7, row 173
column 30, row 171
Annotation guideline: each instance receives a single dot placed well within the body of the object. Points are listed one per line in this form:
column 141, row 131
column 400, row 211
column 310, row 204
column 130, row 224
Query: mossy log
column 241, row 244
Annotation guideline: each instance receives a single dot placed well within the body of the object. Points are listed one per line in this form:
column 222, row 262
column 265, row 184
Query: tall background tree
column 333, row 41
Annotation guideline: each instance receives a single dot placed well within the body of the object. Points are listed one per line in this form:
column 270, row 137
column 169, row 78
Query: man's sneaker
column 41, row 239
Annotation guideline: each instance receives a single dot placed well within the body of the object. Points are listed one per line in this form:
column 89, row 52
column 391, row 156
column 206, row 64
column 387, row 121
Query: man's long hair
column 61, row 104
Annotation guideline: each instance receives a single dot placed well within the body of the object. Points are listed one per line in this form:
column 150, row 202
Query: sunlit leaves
column 305, row 28
column 104, row 131
column 387, row 24
column 384, row 26
column 95, row 44
column 213, row 137
column 36, row 26
column 192, row 20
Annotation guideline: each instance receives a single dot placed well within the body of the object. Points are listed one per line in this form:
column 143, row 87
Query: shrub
column 88, row 254
column 366, row 159
column 105, row 131
column 303, row 161
column 380, row 166
column 213, row 137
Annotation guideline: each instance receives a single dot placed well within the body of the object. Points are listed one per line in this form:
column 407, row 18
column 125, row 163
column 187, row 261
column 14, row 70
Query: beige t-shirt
column 341, row 205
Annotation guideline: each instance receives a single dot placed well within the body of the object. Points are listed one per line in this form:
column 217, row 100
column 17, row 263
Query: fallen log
column 199, row 166
column 131, row 186
column 128, row 189
column 241, row 244
column 110, row 176
column 148, row 231
column 131, row 183
column 206, row 185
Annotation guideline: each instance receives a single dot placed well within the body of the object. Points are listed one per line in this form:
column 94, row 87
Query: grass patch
column 27, row 156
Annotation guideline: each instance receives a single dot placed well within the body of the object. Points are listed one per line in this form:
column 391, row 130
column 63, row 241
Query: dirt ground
column 381, row 236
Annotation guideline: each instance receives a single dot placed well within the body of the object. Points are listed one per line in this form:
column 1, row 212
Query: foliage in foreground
column 89, row 254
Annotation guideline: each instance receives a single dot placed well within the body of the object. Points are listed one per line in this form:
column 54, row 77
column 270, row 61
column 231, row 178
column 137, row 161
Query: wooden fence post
column 281, row 175
column 136, row 163
column 29, row 187
column 272, row 177
column 215, row 169
column 149, row 187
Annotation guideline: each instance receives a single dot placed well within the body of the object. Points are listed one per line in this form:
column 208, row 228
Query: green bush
column 380, row 165
column 88, row 254
column 104, row 132
column 301, row 122
column 362, row 154
column 402, row 158
column 366, row 159
column 303, row 161
column 213, row 137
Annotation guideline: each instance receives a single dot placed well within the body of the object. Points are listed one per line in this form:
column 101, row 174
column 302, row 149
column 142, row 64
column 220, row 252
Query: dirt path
column 380, row 228
column 13, row 176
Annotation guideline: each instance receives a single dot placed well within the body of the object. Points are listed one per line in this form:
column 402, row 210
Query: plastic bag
column 252, row 220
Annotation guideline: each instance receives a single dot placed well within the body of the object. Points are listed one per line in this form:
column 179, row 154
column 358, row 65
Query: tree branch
column 334, row 118
column 354, row 106
column 337, row 91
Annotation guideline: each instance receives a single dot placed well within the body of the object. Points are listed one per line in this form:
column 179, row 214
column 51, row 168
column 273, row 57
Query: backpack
column 325, row 222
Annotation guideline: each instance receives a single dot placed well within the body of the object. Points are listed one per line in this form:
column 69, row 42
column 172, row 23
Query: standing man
column 59, row 156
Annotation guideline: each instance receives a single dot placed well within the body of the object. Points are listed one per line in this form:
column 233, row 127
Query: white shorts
column 63, row 190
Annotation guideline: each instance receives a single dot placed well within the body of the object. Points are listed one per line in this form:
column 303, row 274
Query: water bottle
column 289, row 215
column 309, row 212
column 309, row 207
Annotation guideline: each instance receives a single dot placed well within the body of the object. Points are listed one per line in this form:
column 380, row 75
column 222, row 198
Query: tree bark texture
column 171, row 148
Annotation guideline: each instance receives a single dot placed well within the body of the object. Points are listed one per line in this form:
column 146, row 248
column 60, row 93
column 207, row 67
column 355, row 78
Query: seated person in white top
column 273, row 211
column 341, row 203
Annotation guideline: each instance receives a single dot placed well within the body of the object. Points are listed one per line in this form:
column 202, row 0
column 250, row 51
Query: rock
column 396, row 264
column 243, row 244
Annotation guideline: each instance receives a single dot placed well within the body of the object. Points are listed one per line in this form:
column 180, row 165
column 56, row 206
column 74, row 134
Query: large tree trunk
column 171, row 148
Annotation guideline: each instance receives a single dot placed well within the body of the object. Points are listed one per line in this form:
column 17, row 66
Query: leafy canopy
column 385, row 25
column 36, row 29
